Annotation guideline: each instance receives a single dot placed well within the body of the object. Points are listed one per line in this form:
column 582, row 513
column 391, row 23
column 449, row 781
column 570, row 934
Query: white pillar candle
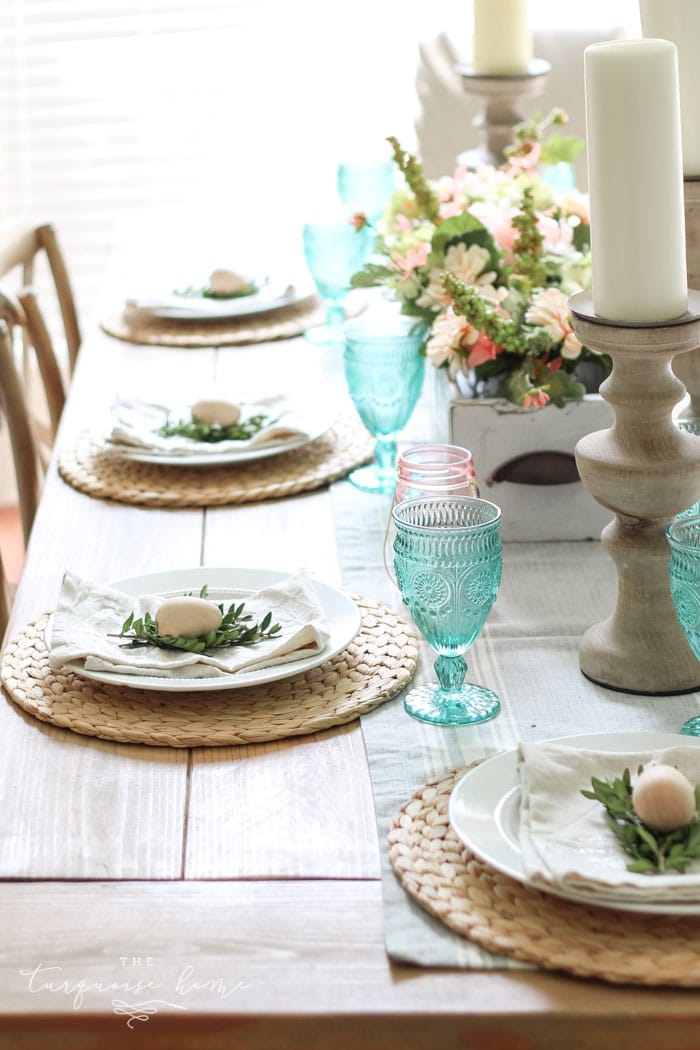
column 679, row 21
column 635, row 181
column 502, row 39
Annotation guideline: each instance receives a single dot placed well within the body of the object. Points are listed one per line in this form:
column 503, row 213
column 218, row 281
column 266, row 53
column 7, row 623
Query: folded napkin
column 136, row 424
column 87, row 614
column 566, row 840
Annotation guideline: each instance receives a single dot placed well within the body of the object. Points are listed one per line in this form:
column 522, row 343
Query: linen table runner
column 528, row 653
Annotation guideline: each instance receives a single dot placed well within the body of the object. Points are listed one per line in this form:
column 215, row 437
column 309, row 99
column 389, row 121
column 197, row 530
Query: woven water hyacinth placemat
column 376, row 665
column 506, row 917
column 103, row 474
column 258, row 328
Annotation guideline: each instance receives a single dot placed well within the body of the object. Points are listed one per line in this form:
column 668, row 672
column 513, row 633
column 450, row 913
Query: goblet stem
column 335, row 317
column 385, row 453
column 451, row 672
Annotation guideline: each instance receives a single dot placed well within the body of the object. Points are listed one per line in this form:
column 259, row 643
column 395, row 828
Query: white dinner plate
column 321, row 421
column 212, row 459
column 485, row 814
column 339, row 610
column 272, row 295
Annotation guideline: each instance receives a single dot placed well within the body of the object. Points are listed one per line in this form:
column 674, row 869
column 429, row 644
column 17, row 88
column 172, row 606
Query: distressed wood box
column 524, row 461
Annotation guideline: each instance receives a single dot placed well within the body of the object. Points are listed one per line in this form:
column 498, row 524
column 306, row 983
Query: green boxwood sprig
column 654, row 853
column 237, row 628
column 213, row 432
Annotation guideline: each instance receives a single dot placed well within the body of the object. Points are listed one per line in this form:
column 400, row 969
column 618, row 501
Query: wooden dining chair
column 21, row 244
column 5, row 601
column 16, row 414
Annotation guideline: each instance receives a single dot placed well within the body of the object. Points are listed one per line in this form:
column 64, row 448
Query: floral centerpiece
column 488, row 259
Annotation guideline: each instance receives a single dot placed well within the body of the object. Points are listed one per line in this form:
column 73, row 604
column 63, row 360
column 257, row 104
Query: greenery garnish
column 653, row 852
column 205, row 292
column 212, row 432
column 237, row 628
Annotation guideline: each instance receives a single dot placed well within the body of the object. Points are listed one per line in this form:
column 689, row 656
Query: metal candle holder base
column 502, row 98
column 645, row 470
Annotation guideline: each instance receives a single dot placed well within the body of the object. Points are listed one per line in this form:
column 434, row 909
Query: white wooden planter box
column 515, row 450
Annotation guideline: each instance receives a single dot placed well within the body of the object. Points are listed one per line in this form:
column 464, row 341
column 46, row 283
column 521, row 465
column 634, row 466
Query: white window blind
column 197, row 119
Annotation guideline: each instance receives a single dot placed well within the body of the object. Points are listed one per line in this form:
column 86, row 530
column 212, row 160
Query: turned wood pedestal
column 644, row 470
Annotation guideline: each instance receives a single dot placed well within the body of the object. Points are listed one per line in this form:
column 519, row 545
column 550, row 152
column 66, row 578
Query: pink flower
column 484, row 349
column 558, row 236
column 358, row 220
column 536, row 399
column 412, row 260
column 498, row 220
column 527, row 160
column 403, row 224
column 576, row 203
column 449, row 209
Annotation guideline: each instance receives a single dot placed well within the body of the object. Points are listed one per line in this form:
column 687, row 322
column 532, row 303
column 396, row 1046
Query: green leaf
column 560, row 149
column 582, row 237
column 371, row 275
column 643, row 867
column 465, row 229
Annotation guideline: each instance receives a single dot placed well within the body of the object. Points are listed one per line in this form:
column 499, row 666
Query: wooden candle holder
column 645, row 470
column 687, row 366
column 502, row 98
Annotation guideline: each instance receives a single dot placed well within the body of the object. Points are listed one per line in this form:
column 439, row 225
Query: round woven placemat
column 260, row 328
column 90, row 469
column 376, row 665
column 506, row 917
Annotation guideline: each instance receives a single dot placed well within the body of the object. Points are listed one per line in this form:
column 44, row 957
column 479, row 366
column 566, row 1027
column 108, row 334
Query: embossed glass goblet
column 447, row 560
column 384, row 370
column 366, row 186
column 333, row 251
column 691, row 425
column 684, row 576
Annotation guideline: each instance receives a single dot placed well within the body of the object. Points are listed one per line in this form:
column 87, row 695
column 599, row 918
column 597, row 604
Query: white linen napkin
column 136, row 424
column 87, row 615
column 566, row 840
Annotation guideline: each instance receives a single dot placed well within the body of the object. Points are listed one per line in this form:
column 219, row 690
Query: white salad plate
column 272, row 295
column 338, row 609
column 484, row 813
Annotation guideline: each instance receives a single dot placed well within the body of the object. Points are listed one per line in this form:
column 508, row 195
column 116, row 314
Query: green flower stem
column 482, row 315
column 412, row 171
column 527, row 249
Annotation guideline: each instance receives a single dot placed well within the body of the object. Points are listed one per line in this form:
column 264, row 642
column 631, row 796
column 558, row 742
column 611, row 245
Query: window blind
column 186, row 120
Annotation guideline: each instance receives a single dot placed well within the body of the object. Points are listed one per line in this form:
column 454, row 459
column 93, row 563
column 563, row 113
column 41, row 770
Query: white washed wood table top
column 234, row 890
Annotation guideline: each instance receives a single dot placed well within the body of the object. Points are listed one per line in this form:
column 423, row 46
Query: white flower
column 449, row 333
column 465, row 263
column 550, row 310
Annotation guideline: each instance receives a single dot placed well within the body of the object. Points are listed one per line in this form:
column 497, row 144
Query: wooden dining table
column 237, row 885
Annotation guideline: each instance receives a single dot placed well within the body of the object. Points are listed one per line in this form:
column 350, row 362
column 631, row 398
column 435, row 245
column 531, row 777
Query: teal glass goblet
column 683, row 535
column 447, row 560
column 366, row 186
column 333, row 251
column 384, row 370
column 691, row 425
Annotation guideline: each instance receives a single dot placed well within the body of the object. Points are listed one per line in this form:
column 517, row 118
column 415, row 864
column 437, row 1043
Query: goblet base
column 372, row 479
column 324, row 335
column 464, row 706
column 691, row 727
